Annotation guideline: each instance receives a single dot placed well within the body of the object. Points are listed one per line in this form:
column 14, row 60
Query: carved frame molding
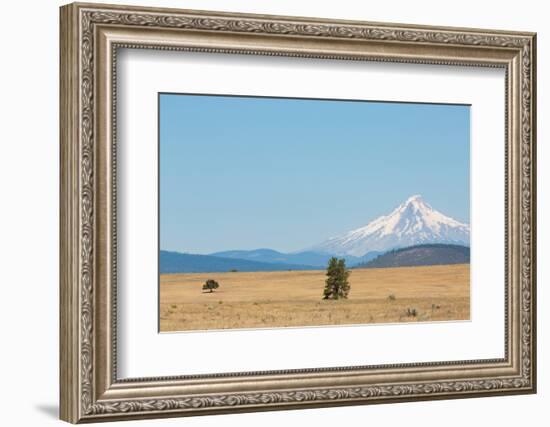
column 90, row 37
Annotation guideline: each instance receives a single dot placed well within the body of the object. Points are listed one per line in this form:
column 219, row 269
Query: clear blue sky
column 285, row 174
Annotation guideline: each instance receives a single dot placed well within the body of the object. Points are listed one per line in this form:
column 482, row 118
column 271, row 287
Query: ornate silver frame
column 90, row 36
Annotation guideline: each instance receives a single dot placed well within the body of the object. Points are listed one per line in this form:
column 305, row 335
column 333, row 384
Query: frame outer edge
column 533, row 113
column 69, row 354
column 305, row 19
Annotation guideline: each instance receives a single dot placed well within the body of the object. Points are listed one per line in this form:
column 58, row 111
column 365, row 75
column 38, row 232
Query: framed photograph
column 266, row 212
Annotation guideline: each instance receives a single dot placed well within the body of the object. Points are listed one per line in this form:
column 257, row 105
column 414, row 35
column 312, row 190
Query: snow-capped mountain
column 413, row 222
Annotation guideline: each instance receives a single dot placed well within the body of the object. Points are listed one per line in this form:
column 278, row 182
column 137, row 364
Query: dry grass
column 293, row 298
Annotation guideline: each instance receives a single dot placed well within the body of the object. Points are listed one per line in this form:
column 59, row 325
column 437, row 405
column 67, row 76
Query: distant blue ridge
column 271, row 260
column 175, row 262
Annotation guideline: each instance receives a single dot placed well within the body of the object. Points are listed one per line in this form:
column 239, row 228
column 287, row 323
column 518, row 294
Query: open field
column 293, row 298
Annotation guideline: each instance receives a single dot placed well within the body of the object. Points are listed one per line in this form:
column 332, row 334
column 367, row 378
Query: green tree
column 210, row 285
column 336, row 284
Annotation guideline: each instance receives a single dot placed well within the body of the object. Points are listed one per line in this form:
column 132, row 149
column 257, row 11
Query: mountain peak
column 414, row 198
column 416, row 201
column 413, row 222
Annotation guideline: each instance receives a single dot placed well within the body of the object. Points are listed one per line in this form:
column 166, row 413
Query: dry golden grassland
column 293, row 298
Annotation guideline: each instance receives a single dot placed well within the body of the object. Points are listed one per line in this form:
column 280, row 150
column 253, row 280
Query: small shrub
column 233, row 270
column 392, row 297
column 435, row 307
column 411, row 312
column 210, row 285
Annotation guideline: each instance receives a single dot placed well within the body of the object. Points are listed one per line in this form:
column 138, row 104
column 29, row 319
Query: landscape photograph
column 292, row 212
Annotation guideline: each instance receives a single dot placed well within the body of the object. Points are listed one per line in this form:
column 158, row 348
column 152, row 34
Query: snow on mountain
column 413, row 222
